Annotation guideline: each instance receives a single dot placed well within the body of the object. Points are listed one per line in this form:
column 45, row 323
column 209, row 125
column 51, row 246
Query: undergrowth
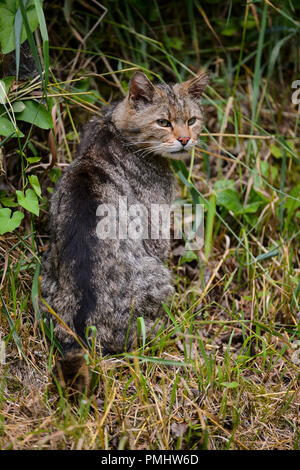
column 221, row 370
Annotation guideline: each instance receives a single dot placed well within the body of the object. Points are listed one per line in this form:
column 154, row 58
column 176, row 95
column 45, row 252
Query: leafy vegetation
column 221, row 370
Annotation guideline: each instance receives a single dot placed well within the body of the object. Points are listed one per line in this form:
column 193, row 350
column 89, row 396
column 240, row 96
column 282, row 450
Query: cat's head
column 162, row 119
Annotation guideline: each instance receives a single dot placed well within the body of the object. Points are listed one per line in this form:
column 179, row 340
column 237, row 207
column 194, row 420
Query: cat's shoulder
column 97, row 132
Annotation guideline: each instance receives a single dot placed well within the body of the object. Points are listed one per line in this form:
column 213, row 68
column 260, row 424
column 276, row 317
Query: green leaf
column 276, row 151
column 7, row 33
column 229, row 199
column 29, row 201
column 175, row 43
column 250, row 23
column 33, row 159
column 36, row 113
column 55, row 174
column 157, row 360
column 4, row 89
column 12, row 326
column 7, row 83
column 229, row 31
column 18, row 106
column 251, row 208
column 8, row 223
column 229, row 384
column 292, row 204
column 7, row 128
column 41, row 19
column 34, row 181
column 221, row 185
column 268, row 171
column 188, row 257
column 44, row 33
column 8, row 10
column 211, row 212
column 7, row 200
column 35, row 293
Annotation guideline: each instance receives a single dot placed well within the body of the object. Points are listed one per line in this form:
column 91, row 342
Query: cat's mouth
column 180, row 150
column 178, row 154
column 183, row 151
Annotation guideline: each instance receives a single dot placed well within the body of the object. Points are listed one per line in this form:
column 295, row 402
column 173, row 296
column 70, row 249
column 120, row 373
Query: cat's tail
column 72, row 373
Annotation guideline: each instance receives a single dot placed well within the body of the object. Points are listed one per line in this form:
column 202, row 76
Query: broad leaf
column 18, row 106
column 34, row 181
column 188, row 257
column 55, row 174
column 7, row 128
column 276, row 151
column 29, row 201
column 8, row 223
column 8, row 10
column 33, row 159
column 36, row 113
column 251, row 208
column 229, row 199
column 7, row 200
column 221, row 185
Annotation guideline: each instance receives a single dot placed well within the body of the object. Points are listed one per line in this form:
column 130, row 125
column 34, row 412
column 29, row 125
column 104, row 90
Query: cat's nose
column 183, row 140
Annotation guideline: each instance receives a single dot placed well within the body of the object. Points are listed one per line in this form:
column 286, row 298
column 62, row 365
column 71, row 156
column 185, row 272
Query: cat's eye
column 191, row 121
column 164, row 123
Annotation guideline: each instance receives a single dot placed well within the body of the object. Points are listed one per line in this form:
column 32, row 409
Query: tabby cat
column 109, row 282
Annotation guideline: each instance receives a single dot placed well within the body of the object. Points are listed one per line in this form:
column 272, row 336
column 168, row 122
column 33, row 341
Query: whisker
column 149, row 149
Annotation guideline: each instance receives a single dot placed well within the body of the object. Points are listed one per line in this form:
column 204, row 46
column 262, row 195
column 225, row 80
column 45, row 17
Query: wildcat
column 109, row 282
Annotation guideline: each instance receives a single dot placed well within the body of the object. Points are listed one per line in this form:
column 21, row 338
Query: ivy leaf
column 29, row 201
column 36, row 113
column 8, row 223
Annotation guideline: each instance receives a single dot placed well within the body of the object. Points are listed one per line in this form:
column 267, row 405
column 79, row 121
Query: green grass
column 221, row 369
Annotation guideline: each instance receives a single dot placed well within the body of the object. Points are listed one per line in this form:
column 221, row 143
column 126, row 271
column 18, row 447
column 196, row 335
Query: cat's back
column 94, row 281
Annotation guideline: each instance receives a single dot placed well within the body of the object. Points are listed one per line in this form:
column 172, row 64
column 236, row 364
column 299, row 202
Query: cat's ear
column 196, row 86
column 141, row 90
